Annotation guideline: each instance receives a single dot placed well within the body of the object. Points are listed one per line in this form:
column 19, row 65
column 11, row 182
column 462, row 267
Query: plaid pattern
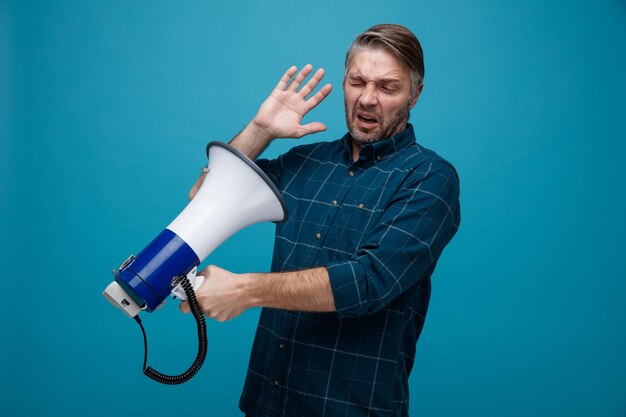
column 379, row 225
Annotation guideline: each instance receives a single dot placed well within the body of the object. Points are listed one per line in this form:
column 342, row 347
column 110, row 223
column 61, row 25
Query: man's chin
column 364, row 137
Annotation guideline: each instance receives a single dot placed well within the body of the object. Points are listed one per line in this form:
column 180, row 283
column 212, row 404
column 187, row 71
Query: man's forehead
column 376, row 64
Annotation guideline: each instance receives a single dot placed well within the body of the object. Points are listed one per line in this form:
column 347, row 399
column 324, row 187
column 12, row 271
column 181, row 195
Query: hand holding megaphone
column 220, row 296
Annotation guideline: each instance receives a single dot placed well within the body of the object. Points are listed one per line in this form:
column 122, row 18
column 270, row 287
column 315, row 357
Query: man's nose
column 369, row 96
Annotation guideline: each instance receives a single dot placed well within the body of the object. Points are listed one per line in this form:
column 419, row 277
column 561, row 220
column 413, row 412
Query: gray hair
column 399, row 42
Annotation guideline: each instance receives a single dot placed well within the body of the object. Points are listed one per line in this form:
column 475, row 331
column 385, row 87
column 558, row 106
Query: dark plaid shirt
column 379, row 226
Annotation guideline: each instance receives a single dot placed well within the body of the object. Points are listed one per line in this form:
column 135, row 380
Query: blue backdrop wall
column 105, row 108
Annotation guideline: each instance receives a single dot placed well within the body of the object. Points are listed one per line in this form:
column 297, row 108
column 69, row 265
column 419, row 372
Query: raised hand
column 280, row 116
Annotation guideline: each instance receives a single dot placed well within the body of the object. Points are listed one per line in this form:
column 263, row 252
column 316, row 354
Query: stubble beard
column 388, row 126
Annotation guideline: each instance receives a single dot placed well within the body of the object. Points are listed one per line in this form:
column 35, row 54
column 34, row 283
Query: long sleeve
column 403, row 246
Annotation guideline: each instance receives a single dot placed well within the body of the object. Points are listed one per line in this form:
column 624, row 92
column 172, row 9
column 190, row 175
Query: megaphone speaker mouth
column 256, row 169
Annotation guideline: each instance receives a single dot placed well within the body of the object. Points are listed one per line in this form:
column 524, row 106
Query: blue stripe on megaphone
column 150, row 274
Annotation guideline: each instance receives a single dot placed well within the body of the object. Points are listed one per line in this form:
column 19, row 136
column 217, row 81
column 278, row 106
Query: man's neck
column 356, row 148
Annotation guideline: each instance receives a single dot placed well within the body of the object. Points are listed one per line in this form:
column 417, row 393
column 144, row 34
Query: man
column 370, row 215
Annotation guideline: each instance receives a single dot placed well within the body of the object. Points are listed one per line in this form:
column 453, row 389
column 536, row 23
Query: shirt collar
column 379, row 150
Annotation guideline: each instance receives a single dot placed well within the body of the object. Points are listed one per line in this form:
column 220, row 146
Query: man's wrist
column 252, row 140
column 252, row 286
column 260, row 133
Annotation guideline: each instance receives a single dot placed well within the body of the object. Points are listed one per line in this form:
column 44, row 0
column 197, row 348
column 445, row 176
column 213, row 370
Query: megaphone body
column 235, row 194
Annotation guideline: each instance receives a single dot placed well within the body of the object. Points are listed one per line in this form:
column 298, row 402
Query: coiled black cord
column 202, row 343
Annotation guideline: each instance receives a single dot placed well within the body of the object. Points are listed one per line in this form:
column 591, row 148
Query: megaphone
column 234, row 194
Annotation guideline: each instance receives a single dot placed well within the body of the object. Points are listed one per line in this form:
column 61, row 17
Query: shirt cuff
column 348, row 283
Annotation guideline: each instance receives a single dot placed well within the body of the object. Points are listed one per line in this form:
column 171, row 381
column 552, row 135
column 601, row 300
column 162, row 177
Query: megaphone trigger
column 195, row 280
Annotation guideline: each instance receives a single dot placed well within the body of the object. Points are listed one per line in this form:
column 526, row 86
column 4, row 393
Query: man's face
column 377, row 96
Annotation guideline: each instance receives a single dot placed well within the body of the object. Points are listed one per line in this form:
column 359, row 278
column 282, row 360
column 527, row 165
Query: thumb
column 184, row 307
column 310, row 128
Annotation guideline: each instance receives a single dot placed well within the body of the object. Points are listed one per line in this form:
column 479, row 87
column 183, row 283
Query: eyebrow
column 379, row 81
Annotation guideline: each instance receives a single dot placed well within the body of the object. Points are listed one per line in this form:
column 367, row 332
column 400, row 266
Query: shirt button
column 378, row 157
column 351, row 173
column 361, row 205
column 318, row 236
column 281, row 346
column 334, row 203
column 276, row 384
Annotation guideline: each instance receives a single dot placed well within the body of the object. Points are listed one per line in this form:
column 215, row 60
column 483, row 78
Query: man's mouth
column 367, row 119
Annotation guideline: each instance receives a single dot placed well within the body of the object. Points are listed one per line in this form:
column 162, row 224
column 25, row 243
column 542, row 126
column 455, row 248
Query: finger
column 282, row 84
column 295, row 83
column 319, row 97
column 312, row 83
column 206, row 272
column 228, row 315
column 184, row 307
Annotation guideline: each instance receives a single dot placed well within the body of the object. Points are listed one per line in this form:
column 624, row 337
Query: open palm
column 282, row 112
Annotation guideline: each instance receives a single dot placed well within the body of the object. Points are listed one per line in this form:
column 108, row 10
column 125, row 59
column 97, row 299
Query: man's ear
column 417, row 95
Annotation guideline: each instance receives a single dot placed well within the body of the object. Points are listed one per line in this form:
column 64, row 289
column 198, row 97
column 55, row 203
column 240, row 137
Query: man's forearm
column 251, row 141
column 303, row 290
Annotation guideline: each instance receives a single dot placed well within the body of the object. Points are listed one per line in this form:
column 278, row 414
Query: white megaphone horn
column 235, row 194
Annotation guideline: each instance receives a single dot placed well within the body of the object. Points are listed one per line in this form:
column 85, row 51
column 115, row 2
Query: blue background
column 105, row 111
